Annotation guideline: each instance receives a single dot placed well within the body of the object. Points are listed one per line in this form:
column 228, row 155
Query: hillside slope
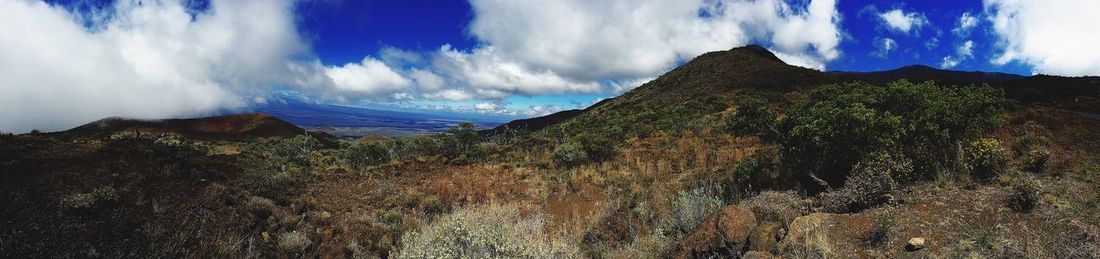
column 686, row 95
column 695, row 94
column 230, row 126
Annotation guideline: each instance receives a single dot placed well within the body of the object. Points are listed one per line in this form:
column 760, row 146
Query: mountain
column 919, row 73
column 230, row 126
column 696, row 93
column 534, row 124
column 690, row 95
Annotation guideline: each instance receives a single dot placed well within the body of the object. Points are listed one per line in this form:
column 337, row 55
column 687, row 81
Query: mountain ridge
column 753, row 68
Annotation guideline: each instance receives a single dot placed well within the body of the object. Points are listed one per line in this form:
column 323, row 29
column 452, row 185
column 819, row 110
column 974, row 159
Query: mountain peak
column 757, row 50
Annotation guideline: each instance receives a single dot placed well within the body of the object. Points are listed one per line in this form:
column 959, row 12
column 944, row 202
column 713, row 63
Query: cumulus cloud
column 370, row 77
column 901, row 21
column 949, row 62
column 153, row 59
column 966, row 23
column 966, row 50
column 963, row 52
column 542, row 110
column 1054, row 37
column 883, row 47
column 625, row 39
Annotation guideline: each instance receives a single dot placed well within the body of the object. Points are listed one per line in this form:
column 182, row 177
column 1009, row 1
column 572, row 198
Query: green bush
column 754, row 118
column 361, row 156
column 261, row 207
column 488, row 231
column 985, row 159
column 1023, row 197
column 296, row 149
column 826, row 135
column 568, row 155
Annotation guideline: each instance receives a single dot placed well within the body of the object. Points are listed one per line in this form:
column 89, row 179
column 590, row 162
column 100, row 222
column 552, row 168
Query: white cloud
column 966, row 50
column 884, row 46
column 932, row 43
column 949, row 62
column 486, row 107
column 599, row 40
column 542, row 110
column 449, row 95
column 370, row 77
column 899, row 20
column 966, row 23
column 1054, row 37
column 962, row 53
column 426, row 79
column 622, row 86
column 485, row 68
column 147, row 60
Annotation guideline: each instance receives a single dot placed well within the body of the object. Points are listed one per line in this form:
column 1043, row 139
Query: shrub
column 97, row 197
column 1023, row 196
column 841, row 124
column 754, row 118
column 569, row 155
column 777, row 207
column 694, row 205
column 361, row 156
column 294, row 242
column 432, row 205
column 748, row 171
column 488, row 231
column 392, row 218
column 295, row 149
column 261, row 207
column 1035, row 159
column 880, row 231
column 985, row 159
column 864, row 189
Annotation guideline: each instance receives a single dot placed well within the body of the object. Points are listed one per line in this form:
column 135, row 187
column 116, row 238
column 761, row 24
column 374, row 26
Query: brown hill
column 229, row 126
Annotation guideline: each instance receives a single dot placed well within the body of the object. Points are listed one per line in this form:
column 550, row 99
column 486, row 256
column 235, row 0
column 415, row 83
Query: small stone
column 916, row 243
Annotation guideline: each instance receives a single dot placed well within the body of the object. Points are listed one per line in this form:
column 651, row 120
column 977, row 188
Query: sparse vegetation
column 489, row 231
column 631, row 177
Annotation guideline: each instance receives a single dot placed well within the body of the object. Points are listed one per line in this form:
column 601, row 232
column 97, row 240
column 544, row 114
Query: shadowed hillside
column 229, row 126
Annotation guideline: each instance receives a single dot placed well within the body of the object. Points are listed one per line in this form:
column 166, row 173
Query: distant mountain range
column 350, row 121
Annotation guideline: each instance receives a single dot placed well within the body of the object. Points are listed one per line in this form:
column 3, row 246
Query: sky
column 67, row 62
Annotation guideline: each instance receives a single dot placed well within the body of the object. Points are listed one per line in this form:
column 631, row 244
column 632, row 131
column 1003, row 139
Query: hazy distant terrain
column 347, row 121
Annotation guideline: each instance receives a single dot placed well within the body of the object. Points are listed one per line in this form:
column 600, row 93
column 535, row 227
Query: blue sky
column 67, row 62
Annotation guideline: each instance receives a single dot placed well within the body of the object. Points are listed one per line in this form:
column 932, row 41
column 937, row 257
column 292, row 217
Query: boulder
column 914, row 244
column 723, row 234
column 765, row 237
column 804, row 231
